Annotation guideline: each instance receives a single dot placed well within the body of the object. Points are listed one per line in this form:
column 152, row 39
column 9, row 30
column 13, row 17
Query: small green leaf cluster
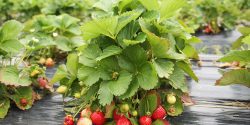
column 240, row 56
column 51, row 36
column 132, row 48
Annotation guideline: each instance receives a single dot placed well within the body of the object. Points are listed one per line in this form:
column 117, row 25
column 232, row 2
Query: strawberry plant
column 212, row 16
column 19, row 83
column 132, row 60
column 241, row 58
column 50, row 38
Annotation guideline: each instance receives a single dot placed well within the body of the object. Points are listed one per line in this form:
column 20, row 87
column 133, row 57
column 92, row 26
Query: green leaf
column 149, row 103
column 89, row 55
column 163, row 67
column 96, row 27
column 12, row 76
column 105, row 96
column 239, row 76
column 23, row 92
column 147, row 76
column 10, row 30
column 11, row 46
column 160, row 46
column 177, row 107
column 109, row 51
column 88, row 75
column 237, row 44
column 139, row 39
column 186, row 67
column 177, row 79
column 126, row 18
column 105, row 5
column 246, row 39
column 237, row 55
column 128, row 32
column 169, row 7
column 61, row 73
column 190, row 52
column 133, row 88
column 244, row 30
column 150, row 4
column 63, row 43
column 72, row 63
column 120, row 86
column 136, row 54
column 4, row 106
column 122, row 4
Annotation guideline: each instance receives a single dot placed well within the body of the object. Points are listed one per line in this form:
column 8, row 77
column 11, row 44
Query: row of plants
column 26, row 50
column 132, row 68
column 213, row 16
column 20, row 84
column 23, row 10
column 239, row 59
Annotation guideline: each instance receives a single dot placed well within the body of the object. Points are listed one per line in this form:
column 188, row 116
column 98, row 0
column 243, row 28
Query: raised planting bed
column 215, row 105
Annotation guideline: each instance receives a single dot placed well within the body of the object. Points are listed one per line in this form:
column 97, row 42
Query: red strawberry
column 84, row 121
column 23, row 102
column 159, row 113
column 123, row 121
column 98, row 118
column 165, row 122
column 49, row 62
column 86, row 112
column 68, row 120
column 145, row 120
column 42, row 82
column 117, row 116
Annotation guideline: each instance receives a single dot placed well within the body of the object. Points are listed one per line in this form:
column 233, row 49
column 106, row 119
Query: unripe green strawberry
column 62, row 89
column 34, row 73
column 42, row 60
column 171, row 99
column 134, row 113
column 124, row 108
column 77, row 95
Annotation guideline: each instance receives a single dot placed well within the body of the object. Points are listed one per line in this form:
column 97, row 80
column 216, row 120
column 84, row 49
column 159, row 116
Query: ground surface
column 214, row 105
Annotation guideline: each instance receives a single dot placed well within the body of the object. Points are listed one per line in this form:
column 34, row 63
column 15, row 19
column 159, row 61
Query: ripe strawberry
column 165, row 122
column 84, row 121
column 124, row 108
column 86, row 112
column 23, row 102
column 34, row 73
column 68, row 120
column 117, row 116
column 159, row 113
column 42, row 82
column 123, row 121
column 145, row 120
column 98, row 118
column 42, row 60
column 61, row 89
column 49, row 62
column 171, row 99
